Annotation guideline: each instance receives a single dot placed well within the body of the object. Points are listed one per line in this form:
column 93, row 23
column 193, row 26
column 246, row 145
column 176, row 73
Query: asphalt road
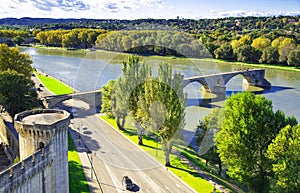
column 114, row 156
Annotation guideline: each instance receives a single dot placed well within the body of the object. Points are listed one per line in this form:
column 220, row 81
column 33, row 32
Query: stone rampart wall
column 33, row 174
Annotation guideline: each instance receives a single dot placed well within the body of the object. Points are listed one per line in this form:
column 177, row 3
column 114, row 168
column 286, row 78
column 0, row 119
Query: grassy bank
column 77, row 180
column 270, row 66
column 54, row 85
column 179, row 168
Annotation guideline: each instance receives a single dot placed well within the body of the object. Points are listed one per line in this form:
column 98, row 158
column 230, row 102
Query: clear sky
column 134, row 9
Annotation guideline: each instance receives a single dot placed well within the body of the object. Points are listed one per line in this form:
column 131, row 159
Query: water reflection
column 85, row 71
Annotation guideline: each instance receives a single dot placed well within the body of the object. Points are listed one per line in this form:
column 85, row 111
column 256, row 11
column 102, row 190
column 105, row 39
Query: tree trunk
column 119, row 124
column 167, row 158
column 167, row 153
column 220, row 168
column 139, row 133
column 123, row 121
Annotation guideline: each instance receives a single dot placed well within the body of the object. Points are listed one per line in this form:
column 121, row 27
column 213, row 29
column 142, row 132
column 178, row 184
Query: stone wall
column 43, row 169
column 33, row 174
column 8, row 135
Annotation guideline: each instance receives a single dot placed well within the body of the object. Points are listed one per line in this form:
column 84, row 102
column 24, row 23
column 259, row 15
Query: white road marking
column 114, row 179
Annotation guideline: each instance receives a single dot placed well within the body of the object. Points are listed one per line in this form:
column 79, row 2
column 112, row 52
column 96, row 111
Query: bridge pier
column 218, row 89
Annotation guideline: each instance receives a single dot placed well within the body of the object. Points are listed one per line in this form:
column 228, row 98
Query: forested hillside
column 271, row 40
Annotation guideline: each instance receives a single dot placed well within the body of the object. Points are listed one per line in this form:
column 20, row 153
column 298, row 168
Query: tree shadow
column 77, row 180
column 274, row 89
column 84, row 142
column 193, row 173
column 208, row 103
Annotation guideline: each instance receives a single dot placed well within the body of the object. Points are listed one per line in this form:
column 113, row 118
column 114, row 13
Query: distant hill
column 189, row 25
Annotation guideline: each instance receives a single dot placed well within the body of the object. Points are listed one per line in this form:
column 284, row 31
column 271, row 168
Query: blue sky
column 134, row 9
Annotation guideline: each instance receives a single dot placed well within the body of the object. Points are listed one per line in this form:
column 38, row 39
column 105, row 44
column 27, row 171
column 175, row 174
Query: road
column 114, row 156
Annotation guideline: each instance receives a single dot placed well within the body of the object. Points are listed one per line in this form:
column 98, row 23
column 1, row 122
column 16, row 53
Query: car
column 127, row 183
column 74, row 112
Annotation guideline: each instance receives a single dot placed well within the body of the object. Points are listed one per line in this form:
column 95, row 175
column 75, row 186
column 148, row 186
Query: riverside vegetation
column 268, row 40
column 245, row 135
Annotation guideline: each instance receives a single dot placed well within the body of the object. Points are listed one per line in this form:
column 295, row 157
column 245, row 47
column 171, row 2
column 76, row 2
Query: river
column 90, row 70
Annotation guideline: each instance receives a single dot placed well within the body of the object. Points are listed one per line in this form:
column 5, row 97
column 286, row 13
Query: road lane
column 112, row 151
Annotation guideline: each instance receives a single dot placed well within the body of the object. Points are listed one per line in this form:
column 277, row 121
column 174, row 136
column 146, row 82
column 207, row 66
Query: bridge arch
column 246, row 76
column 201, row 82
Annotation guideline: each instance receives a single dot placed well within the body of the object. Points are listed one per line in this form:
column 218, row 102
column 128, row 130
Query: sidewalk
column 85, row 161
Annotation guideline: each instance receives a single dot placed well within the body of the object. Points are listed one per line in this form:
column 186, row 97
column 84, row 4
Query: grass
column 192, row 156
column 179, row 168
column 271, row 66
column 77, row 180
column 55, row 86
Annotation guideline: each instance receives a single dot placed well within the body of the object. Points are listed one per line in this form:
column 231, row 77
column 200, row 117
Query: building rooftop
column 44, row 118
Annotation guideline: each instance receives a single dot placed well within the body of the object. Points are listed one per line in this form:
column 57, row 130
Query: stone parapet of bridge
column 216, row 83
column 93, row 98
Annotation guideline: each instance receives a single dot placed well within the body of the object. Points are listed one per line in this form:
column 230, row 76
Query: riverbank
column 270, row 66
column 219, row 61
column 52, row 84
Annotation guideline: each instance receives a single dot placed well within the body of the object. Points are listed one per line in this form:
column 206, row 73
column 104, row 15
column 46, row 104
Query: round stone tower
column 46, row 127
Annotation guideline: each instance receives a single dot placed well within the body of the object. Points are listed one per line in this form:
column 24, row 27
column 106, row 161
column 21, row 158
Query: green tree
column 107, row 99
column 16, row 92
column 247, row 53
column 224, row 52
column 164, row 106
column 127, row 90
column 294, row 57
column 206, row 130
column 285, row 156
column 18, row 40
column 285, row 47
column 248, row 128
column 11, row 58
column 269, row 55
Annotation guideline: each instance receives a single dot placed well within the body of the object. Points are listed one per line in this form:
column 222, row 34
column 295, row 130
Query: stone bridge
column 216, row 83
column 93, row 98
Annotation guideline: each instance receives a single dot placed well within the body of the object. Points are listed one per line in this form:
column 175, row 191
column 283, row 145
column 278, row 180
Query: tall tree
column 285, row 156
column 16, row 92
column 261, row 43
column 247, row 53
column 164, row 106
column 11, row 58
column 294, row 57
column 127, row 89
column 206, row 130
column 269, row 55
column 225, row 51
column 107, row 99
column 248, row 128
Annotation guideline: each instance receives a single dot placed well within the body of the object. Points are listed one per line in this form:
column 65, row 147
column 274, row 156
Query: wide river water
column 90, row 70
